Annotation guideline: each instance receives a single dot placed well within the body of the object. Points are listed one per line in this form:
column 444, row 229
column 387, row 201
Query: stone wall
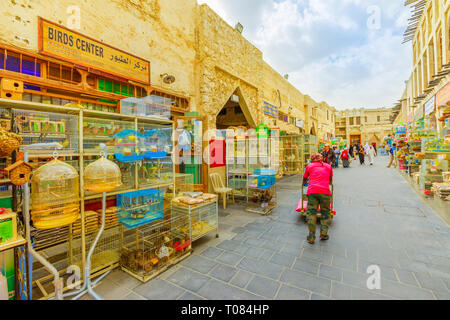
column 160, row 31
column 227, row 62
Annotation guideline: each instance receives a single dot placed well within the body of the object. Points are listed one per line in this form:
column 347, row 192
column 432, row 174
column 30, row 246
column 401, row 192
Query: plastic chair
column 220, row 188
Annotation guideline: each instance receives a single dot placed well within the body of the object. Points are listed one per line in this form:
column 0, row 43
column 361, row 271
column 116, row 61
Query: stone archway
column 216, row 93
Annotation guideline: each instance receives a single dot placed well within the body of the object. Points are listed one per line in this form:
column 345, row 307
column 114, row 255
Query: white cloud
column 327, row 48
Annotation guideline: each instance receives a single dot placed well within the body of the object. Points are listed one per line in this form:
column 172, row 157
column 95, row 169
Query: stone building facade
column 210, row 60
column 364, row 125
column 429, row 34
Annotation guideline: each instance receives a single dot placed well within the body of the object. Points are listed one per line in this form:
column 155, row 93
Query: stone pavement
column 380, row 221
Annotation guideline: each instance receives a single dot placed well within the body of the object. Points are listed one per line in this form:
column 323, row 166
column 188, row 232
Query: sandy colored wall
column 161, row 31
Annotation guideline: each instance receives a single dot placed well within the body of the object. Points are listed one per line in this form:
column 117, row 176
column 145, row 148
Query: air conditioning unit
column 235, row 98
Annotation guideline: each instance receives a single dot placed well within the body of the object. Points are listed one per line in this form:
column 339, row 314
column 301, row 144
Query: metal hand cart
column 304, row 203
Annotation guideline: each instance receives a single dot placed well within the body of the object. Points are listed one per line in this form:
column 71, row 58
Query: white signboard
column 299, row 123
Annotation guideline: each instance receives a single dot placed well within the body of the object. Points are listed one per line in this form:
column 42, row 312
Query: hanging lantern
column 54, row 195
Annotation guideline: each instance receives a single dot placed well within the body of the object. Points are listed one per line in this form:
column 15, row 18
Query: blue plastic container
column 138, row 208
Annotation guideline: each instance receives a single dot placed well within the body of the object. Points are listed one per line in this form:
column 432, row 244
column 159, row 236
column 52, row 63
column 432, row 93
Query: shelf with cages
column 128, row 171
column 106, row 253
column 46, row 127
column 149, row 250
column 204, row 218
column 310, row 144
column 99, row 130
column 184, row 183
column 291, row 154
column 156, row 147
column 84, row 130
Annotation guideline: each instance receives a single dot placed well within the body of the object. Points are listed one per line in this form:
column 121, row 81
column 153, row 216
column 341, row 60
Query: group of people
column 332, row 155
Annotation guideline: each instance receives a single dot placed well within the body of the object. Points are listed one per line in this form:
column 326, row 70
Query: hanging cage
column 102, row 175
column 54, row 195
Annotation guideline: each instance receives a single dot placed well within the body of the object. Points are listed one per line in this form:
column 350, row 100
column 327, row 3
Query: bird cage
column 151, row 249
column 102, row 175
column 138, row 208
column 155, row 106
column 45, row 127
column 204, row 217
column 156, row 144
column 127, row 144
column 97, row 131
column 54, row 195
column 106, row 253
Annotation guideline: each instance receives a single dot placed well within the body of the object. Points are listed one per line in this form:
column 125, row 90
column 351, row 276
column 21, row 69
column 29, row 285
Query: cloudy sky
column 348, row 53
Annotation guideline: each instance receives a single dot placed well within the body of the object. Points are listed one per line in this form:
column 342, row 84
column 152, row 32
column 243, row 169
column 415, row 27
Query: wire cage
column 138, row 208
column 54, row 195
column 151, row 106
column 127, row 146
column 102, row 175
column 183, row 183
column 106, row 253
column 44, row 127
column 204, row 218
column 155, row 172
column 97, row 131
column 263, row 201
column 127, row 171
column 151, row 249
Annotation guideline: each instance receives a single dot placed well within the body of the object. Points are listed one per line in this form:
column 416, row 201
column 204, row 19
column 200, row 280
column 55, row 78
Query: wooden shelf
column 13, row 244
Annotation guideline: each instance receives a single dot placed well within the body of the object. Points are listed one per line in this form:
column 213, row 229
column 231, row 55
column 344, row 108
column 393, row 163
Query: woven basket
column 8, row 143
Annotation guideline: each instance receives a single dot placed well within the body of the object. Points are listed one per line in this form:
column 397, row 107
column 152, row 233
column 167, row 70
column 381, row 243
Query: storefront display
column 149, row 250
column 204, row 215
column 291, row 154
column 55, row 195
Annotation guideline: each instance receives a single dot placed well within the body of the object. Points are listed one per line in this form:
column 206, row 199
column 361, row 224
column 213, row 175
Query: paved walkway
column 380, row 221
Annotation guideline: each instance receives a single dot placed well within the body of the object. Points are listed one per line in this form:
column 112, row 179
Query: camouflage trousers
column 314, row 200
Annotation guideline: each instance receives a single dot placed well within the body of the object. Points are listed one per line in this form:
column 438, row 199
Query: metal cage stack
column 149, row 250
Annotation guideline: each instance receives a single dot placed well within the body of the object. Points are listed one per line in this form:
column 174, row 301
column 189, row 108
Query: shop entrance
column 354, row 139
column 235, row 113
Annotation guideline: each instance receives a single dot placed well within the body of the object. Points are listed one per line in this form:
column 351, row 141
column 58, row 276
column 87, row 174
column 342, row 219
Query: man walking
column 320, row 177
column 392, row 153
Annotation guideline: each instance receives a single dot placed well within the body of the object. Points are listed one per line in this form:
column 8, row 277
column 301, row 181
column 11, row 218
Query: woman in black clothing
column 350, row 152
column 362, row 156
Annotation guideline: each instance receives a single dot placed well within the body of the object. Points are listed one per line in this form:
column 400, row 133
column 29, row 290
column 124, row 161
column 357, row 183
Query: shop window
column 21, row 64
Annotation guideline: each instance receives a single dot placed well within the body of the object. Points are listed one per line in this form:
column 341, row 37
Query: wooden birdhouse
column 19, row 172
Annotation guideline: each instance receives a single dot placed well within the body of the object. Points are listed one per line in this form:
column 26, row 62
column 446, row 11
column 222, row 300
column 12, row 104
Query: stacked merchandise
column 90, row 223
column 111, row 218
column 45, row 238
column 441, row 190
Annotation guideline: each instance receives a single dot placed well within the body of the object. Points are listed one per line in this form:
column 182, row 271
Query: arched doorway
column 235, row 113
